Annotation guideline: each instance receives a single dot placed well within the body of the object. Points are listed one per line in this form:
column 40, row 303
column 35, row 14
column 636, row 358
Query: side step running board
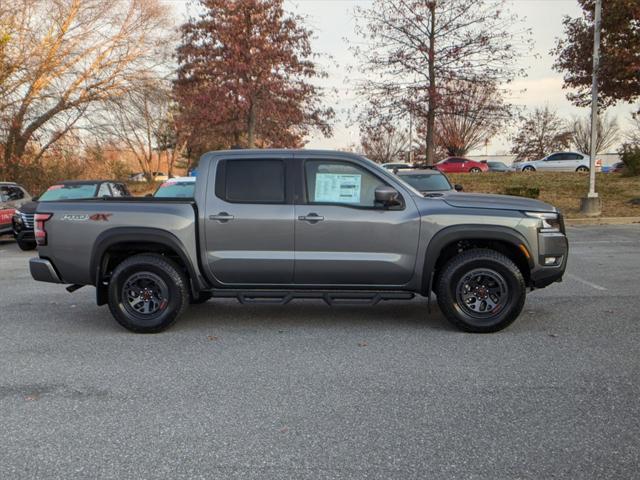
column 281, row 297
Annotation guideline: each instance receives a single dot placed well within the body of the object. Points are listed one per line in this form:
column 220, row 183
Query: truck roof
column 256, row 152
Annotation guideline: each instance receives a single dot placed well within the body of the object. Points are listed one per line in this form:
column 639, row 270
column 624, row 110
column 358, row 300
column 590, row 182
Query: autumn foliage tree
column 619, row 78
column 414, row 47
column 245, row 77
column 540, row 133
column 60, row 59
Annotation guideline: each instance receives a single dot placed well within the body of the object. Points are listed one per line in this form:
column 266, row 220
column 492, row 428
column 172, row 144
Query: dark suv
column 67, row 190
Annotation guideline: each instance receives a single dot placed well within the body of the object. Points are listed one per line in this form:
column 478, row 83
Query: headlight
column 550, row 222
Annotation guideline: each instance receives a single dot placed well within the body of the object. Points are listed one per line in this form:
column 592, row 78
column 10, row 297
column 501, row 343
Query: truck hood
column 500, row 202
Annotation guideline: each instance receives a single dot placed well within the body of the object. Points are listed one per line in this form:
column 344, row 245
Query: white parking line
column 602, row 241
column 586, row 282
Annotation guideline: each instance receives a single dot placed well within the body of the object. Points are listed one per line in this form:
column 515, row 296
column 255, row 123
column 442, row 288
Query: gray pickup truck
column 270, row 226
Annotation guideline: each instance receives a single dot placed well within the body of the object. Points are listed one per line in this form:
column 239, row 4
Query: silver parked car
column 559, row 162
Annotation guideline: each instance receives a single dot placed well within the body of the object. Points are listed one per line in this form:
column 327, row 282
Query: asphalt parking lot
column 308, row 391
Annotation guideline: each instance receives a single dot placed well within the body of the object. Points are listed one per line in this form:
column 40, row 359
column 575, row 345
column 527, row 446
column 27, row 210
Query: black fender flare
column 143, row 235
column 457, row 233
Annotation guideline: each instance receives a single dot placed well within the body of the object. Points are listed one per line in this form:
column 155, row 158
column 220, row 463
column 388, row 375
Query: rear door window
column 251, row 181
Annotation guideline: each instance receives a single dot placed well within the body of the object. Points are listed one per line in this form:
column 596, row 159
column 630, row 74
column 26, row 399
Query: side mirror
column 387, row 196
column 458, row 188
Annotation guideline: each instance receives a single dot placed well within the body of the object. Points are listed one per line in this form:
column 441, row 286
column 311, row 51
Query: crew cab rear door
column 249, row 221
column 342, row 237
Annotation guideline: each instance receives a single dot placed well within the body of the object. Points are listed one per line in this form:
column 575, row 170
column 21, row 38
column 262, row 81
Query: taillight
column 38, row 227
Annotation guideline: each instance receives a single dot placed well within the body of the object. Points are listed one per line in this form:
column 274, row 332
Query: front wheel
column 26, row 245
column 147, row 293
column 582, row 169
column 481, row 291
column 475, row 170
column 528, row 168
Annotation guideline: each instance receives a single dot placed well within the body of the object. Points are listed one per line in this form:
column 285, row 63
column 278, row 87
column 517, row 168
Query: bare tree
column 414, row 46
column 384, row 144
column 135, row 119
column 540, row 133
column 169, row 139
column 632, row 135
column 608, row 133
column 69, row 56
column 471, row 114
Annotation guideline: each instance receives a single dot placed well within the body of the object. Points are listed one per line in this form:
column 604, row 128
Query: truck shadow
column 312, row 314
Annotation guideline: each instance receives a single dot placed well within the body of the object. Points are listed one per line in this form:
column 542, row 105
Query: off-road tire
column 26, row 245
column 158, row 266
column 453, row 273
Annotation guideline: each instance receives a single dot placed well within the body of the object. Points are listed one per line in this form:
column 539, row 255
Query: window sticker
column 338, row 188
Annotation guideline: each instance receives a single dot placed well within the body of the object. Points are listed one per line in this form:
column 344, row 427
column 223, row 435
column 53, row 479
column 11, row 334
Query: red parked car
column 461, row 165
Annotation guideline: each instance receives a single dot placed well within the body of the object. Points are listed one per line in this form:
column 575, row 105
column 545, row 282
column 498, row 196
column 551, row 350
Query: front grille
column 27, row 220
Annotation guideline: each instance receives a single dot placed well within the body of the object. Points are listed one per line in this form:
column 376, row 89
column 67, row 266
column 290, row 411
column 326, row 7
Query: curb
column 602, row 221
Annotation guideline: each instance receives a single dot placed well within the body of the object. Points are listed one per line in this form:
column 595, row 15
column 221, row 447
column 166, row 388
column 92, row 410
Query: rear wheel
column 481, row 291
column 528, row 168
column 147, row 293
column 582, row 169
column 475, row 170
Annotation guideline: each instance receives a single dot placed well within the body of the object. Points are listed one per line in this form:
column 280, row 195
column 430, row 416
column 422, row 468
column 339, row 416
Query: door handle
column 311, row 218
column 222, row 217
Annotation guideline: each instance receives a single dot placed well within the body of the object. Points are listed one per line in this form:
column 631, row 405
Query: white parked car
column 559, row 162
column 391, row 166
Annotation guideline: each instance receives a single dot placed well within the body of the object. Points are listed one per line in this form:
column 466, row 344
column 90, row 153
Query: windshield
column 176, row 189
column 69, row 192
column 427, row 182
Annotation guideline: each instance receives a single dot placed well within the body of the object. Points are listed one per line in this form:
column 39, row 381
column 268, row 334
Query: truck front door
column 249, row 226
column 343, row 237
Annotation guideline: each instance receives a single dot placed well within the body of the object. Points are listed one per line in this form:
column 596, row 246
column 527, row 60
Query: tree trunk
column 14, row 149
column 431, row 112
column 251, row 130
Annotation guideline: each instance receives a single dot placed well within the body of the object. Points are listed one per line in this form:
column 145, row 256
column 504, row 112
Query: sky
column 333, row 22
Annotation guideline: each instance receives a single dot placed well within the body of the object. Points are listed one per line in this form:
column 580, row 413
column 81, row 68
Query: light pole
column 591, row 204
